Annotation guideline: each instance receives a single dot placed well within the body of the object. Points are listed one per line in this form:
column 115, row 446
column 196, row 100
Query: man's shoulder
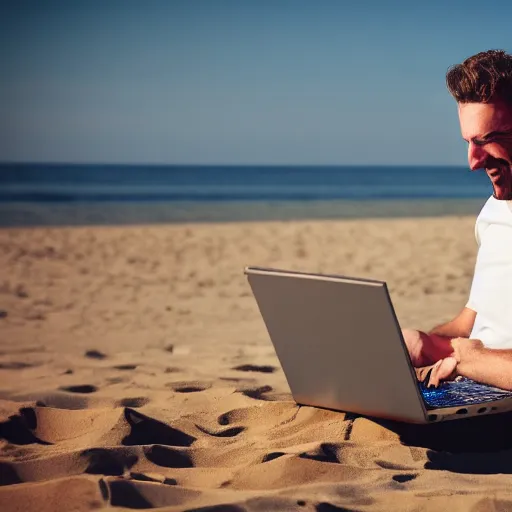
column 494, row 211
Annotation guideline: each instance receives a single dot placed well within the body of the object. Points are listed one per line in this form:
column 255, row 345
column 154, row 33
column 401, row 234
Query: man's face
column 487, row 128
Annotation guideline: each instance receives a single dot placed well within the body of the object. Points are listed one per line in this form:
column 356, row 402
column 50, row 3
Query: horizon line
column 153, row 164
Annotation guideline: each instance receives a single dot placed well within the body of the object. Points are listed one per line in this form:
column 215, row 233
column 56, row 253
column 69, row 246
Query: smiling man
column 478, row 343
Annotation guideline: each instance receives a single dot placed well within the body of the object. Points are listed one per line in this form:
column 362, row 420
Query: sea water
column 58, row 194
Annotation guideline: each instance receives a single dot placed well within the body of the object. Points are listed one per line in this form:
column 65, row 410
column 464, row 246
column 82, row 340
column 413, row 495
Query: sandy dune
column 135, row 372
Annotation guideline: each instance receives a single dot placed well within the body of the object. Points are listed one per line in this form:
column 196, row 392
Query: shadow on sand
column 479, row 445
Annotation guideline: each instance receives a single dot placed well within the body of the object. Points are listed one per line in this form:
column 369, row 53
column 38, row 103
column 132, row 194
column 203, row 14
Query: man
column 478, row 343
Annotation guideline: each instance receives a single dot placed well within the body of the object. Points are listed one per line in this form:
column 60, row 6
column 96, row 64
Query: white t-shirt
column 491, row 291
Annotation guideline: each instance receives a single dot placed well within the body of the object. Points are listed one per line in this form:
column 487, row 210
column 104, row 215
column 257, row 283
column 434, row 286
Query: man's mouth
column 496, row 173
column 501, row 179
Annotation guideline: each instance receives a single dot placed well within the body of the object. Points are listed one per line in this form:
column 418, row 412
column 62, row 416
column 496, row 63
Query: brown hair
column 482, row 78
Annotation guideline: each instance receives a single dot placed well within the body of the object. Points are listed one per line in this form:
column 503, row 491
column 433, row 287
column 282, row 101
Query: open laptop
column 341, row 347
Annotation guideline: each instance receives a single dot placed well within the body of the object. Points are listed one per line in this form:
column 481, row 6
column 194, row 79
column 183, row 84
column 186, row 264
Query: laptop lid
column 339, row 343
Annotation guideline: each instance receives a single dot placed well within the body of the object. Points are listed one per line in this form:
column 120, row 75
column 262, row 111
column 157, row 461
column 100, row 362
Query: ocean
column 71, row 194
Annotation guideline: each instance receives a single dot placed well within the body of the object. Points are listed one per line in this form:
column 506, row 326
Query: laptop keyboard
column 461, row 392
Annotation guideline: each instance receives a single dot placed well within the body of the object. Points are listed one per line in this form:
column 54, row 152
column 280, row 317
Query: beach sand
column 136, row 372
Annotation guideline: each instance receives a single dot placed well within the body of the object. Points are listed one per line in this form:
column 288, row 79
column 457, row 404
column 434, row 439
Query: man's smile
column 495, row 174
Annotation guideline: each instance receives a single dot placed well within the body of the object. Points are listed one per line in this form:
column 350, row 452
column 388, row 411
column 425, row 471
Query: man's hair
column 482, row 78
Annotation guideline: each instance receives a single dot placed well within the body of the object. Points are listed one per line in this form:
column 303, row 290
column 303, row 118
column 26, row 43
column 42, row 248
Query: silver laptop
column 341, row 347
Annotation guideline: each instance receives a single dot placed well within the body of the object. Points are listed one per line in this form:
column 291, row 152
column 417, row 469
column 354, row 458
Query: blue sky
column 239, row 81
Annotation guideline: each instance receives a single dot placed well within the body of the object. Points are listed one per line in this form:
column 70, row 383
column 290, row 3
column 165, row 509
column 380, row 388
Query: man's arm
column 486, row 365
column 426, row 349
column 459, row 327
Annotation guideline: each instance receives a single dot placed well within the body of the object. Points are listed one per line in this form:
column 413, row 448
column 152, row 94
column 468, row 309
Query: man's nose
column 476, row 156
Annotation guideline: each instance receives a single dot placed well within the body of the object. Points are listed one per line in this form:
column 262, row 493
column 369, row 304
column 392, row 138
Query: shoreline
column 125, row 214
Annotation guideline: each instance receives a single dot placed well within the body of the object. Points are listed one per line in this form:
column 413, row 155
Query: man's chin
column 502, row 192
column 503, row 195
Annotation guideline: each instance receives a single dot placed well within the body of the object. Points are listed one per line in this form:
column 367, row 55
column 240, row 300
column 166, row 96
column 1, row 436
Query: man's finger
column 443, row 370
column 433, row 375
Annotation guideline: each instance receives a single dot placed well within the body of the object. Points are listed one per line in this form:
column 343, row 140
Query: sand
column 136, row 372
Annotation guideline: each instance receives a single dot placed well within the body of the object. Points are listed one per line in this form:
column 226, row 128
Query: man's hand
column 432, row 356
column 433, row 375
column 436, row 358
column 426, row 349
column 486, row 365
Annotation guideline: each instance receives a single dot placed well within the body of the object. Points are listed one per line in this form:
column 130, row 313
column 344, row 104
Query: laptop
column 341, row 347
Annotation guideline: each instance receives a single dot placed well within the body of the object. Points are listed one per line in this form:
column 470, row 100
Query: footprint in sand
column 168, row 457
column 255, row 368
column 326, row 452
column 153, row 478
column 112, row 462
column 404, row 478
column 17, row 429
column 223, row 419
column 84, row 388
column 146, row 430
column 95, row 354
column 218, row 508
column 229, row 432
column 136, row 494
column 257, row 393
column 8, row 474
column 137, row 401
column 16, row 365
column 125, row 494
column 188, row 387
column 327, row 507
column 272, row 456
column 125, row 367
